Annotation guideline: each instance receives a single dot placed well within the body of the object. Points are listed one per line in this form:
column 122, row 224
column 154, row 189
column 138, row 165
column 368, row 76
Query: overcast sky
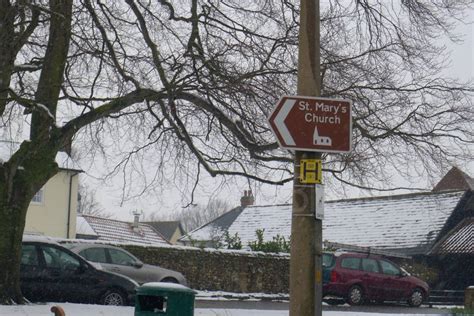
column 109, row 197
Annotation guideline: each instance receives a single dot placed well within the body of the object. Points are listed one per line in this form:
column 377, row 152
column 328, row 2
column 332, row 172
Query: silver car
column 120, row 261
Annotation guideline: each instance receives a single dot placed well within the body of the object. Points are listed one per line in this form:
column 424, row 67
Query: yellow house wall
column 50, row 217
column 175, row 237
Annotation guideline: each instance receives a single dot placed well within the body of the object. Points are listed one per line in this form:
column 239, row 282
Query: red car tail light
column 335, row 277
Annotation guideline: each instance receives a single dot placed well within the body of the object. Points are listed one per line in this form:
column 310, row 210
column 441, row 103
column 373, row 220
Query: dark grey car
column 120, row 261
column 52, row 273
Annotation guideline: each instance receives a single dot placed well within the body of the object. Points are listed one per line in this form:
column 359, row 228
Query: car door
column 393, row 283
column 350, row 273
column 65, row 275
column 116, row 262
column 125, row 264
column 327, row 265
column 100, row 255
column 32, row 278
column 372, row 279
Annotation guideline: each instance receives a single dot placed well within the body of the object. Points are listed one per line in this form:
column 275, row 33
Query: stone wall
column 221, row 270
column 240, row 271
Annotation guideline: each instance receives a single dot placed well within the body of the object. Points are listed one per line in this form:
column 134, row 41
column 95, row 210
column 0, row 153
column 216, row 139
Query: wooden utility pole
column 310, row 125
column 306, row 230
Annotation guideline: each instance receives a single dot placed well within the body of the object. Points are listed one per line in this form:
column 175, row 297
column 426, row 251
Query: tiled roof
column 408, row 222
column 455, row 179
column 458, row 241
column 403, row 222
column 214, row 228
column 167, row 229
column 114, row 230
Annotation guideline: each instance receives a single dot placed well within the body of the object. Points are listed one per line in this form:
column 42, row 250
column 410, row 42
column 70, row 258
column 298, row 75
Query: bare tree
column 185, row 87
column 192, row 218
column 88, row 204
column 195, row 216
column 33, row 164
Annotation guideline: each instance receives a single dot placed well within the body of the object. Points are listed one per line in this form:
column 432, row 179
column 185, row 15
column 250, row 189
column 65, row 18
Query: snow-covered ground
column 99, row 310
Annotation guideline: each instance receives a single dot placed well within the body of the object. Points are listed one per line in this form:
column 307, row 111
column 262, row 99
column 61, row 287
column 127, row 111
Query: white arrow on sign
column 280, row 122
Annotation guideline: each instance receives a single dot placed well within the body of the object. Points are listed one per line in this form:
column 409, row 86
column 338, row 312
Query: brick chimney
column 247, row 199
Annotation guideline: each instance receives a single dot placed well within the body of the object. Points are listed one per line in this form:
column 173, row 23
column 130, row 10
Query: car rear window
column 350, row 263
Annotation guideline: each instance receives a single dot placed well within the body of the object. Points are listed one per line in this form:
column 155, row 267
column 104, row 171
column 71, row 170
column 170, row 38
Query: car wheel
column 170, row 280
column 113, row 297
column 355, row 296
column 416, row 298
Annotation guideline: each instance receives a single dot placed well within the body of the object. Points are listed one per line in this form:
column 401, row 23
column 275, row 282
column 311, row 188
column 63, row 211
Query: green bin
column 159, row 298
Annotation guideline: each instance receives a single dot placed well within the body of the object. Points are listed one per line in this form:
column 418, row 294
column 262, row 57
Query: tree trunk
column 52, row 73
column 10, row 243
column 33, row 164
column 7, row 50
column 20, row 179
column 14, row 201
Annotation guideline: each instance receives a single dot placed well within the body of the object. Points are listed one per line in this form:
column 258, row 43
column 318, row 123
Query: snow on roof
column 205, row 233
column 115, row 230
column 215, row 228
column 65, row 162
column 38, row 238
column 406, row 221
column 275, row 219
column 390, row 222
column 83, row 227
column 8, row 148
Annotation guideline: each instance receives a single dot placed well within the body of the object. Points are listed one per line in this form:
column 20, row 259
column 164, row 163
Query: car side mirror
column 137, row 264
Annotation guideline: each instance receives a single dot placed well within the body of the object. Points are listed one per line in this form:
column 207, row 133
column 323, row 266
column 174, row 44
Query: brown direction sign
column 313, row 124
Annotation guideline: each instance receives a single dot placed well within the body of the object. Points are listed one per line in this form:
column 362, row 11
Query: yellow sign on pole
column 311, row 171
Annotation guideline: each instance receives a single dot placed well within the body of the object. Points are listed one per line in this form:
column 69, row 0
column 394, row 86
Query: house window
column 38, row 197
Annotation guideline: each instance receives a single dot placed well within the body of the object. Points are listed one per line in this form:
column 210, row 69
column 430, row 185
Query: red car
column 358, row 277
